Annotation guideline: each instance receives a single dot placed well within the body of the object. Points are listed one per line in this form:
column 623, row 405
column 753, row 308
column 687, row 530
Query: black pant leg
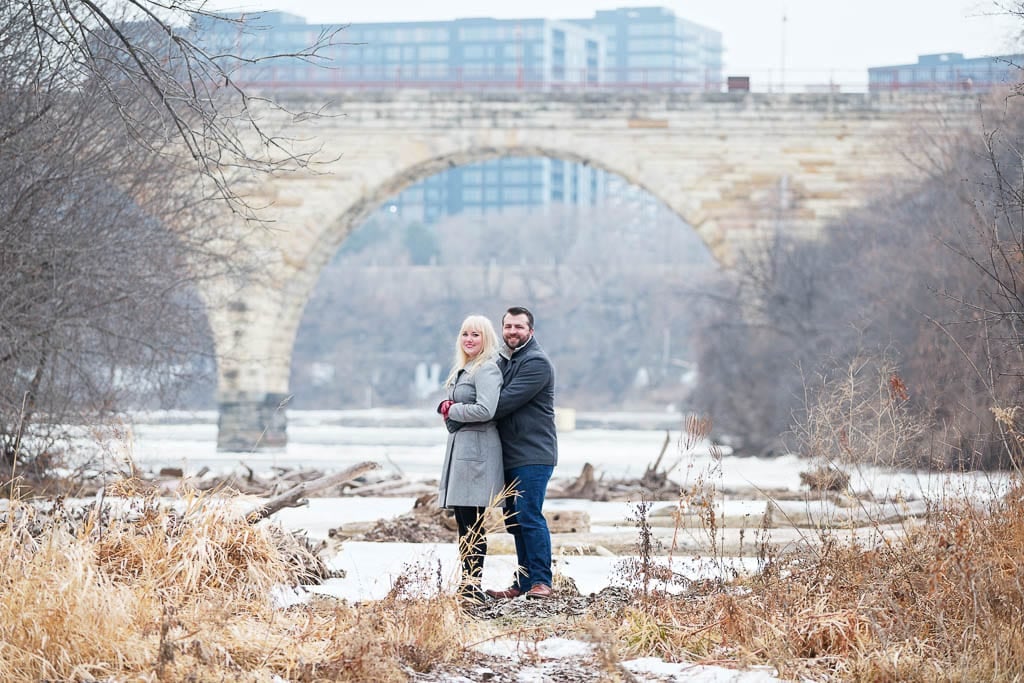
column 472, row 541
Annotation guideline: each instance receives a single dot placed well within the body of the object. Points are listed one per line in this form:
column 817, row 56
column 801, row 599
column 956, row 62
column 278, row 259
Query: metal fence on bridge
column 427, row 77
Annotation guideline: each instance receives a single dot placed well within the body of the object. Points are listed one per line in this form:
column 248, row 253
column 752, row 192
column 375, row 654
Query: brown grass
column 153, row 593
column 942, row 600
column 945, row 602
column 187, row 596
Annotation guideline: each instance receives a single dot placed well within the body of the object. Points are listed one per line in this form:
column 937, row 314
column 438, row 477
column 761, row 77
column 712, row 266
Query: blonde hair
column 489, row 350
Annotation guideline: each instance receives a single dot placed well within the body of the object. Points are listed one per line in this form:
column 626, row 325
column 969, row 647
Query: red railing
column 306, row 76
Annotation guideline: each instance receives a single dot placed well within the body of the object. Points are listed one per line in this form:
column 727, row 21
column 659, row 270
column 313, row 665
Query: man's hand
column 443, row 407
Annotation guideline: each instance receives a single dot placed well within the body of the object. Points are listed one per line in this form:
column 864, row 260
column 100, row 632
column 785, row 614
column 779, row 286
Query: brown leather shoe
column 506, row 594
column 539, row 590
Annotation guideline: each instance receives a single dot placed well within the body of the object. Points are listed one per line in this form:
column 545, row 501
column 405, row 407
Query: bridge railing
column 302, row 75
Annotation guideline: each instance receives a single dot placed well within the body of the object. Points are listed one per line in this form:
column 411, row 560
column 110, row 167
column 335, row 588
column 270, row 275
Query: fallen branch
column 295, row 496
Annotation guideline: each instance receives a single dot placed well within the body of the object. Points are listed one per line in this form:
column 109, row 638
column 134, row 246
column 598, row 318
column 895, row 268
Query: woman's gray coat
column 473, row 474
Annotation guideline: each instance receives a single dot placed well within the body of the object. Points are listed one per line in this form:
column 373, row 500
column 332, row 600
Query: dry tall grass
column 941, row 601
column 187, row 595
column 944, row 603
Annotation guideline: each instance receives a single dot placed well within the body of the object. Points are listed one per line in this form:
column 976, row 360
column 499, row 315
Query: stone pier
column 248, row 422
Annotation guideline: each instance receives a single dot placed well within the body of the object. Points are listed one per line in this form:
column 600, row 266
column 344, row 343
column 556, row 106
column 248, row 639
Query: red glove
column 443, row 408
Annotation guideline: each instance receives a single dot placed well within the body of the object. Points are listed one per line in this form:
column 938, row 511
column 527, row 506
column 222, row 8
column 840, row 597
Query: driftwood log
column 295, row 496
column 585, row 485
column 655, row 484
column 655, row 478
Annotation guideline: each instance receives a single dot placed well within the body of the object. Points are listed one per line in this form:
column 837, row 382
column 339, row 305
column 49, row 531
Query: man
column 526, row 423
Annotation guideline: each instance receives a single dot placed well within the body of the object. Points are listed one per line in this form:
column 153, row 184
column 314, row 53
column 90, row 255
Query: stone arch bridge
column 726, row 163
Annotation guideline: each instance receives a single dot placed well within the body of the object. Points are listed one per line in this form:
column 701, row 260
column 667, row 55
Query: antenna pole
column 782, row 56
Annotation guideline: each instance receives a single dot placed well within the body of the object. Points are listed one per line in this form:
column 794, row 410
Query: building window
column 433, row 70
column 652, row 60
column 481, row 33
column 651, row 29
column 429, row 35
column 433, row 51
column 475, row 51
column 515, row 176
column 652, row 44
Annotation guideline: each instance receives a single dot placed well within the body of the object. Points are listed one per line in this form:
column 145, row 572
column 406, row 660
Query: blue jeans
column 526, row 523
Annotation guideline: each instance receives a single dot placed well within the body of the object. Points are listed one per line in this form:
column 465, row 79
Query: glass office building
column 946, row 71
column 479, row 53
column 652, row 46
column 618, row 48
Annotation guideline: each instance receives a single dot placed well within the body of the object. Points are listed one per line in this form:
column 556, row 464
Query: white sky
column 840, row 36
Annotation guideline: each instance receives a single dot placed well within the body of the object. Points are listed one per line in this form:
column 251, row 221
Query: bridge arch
column 301, row 284
column 725, row 163
column 403, row 177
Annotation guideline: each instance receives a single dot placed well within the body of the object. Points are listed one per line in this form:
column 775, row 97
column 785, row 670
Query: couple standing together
column 500, row 414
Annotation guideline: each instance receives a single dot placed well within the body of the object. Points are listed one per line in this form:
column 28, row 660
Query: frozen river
column 409, row 442
column 319, row 440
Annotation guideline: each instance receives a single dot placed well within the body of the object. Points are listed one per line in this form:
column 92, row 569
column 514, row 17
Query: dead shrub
column 208, row 546
column 825, row 478
column 63, row 617
column 861, row 416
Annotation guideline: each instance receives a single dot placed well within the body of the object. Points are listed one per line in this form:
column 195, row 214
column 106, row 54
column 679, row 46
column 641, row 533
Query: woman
column 472, row 477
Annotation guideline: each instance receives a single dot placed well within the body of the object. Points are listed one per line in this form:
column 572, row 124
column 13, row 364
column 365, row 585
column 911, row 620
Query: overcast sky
column 845, row 36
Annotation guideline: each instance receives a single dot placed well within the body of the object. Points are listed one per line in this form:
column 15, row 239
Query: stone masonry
column 729, row 164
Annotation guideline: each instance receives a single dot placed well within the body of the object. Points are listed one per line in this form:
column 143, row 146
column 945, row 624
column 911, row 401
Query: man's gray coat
column 526, row 411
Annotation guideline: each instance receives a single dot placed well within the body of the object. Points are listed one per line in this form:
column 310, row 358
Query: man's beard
column 519, row 341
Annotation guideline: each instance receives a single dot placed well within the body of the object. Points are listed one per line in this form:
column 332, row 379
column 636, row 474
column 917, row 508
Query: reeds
column 185, row 593
column 936, row 599
column 945, row 602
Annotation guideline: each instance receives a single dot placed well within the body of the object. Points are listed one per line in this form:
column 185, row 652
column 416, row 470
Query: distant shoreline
column 412, row 417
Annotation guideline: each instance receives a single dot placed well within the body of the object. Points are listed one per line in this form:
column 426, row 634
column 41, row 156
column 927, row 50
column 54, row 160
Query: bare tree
column 116, row 131
column 153, row 62
column 605, row 293
column 926, row 276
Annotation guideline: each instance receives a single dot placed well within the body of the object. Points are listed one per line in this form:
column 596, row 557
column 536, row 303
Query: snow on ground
column 697, row 673
column 535, row 658
column 327, row 440
column 371, row 569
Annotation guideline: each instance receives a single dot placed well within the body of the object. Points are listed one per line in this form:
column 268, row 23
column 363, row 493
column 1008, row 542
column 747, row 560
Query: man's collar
column 509, row 352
